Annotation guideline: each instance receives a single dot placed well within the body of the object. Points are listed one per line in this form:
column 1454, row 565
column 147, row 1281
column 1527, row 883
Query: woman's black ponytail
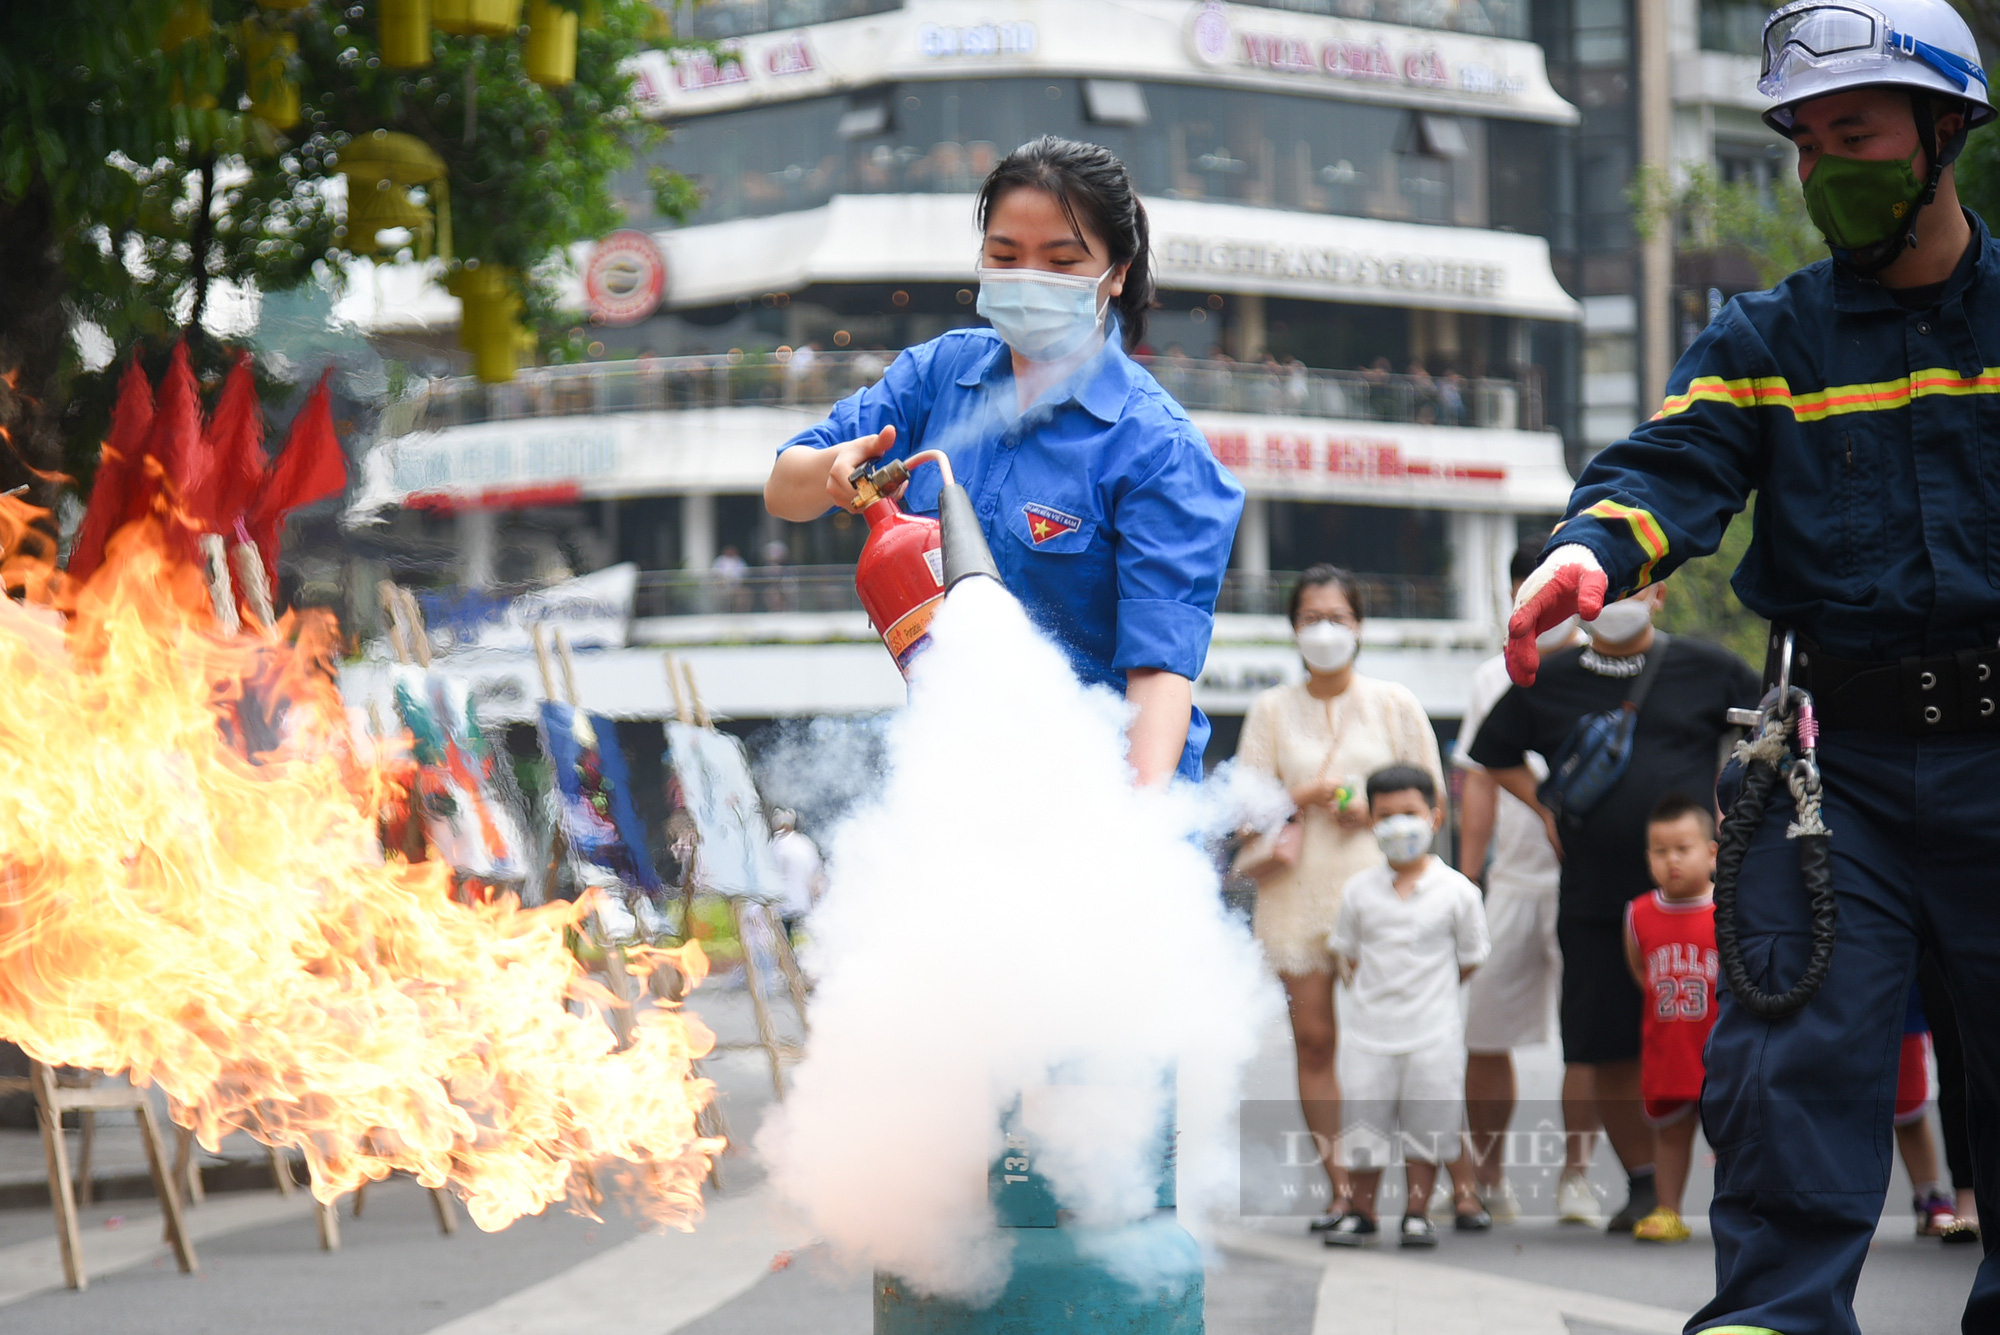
column 1095, row 193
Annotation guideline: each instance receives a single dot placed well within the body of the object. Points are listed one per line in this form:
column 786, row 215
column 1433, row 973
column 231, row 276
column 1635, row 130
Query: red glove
column 1569, row 583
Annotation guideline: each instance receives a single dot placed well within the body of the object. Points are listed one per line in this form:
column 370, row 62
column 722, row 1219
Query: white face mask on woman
column 1621, row 621
column 1043, row 316
column 1327, row 646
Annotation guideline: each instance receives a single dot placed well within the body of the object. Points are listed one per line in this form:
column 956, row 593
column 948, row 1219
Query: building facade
column 1357, row 221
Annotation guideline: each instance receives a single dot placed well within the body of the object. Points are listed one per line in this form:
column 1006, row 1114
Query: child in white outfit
column 1407, row 936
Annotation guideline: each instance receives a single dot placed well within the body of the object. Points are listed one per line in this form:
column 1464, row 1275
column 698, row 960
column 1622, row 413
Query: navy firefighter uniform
column 1108, row 516
column 1870, row 431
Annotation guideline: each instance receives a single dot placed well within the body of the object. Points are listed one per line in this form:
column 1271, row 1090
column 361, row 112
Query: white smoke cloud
column 1010, row 905
column 820, row 767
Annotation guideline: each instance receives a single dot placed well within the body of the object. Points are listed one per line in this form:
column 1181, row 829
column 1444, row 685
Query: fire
column 228, row 929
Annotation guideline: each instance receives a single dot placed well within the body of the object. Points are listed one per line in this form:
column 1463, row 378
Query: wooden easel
column 222, row 598
column 614, row 974
column 52, row 1100
column 709, row 1120
column 404, row 630
column 690, row 710
column 187, row 1174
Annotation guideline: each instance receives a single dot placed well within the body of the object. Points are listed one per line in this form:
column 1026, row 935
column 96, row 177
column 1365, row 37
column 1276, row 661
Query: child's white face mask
column 1403, row 838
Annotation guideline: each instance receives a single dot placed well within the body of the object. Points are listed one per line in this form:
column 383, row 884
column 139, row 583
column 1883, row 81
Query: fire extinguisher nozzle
column 965, row 551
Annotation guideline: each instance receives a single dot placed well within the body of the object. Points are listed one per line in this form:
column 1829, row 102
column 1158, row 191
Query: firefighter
column 1107, row 514
column 1860, row 400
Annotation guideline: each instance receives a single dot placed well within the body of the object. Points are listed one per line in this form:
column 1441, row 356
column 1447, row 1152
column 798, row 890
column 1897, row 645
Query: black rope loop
column 1739, row 827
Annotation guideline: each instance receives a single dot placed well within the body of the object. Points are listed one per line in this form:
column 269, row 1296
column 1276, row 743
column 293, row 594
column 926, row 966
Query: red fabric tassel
column 118, row 472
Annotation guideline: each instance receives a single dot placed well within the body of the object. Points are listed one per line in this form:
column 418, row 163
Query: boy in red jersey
column 1670, row 948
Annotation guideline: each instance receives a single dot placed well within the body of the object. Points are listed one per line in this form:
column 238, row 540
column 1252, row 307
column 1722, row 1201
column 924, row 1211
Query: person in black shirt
column 1676, row 747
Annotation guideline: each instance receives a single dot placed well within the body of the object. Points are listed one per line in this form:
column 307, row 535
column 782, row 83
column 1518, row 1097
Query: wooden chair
column 52, row 1100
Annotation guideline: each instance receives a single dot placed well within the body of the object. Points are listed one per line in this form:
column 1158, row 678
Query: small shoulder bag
column 1593, row 758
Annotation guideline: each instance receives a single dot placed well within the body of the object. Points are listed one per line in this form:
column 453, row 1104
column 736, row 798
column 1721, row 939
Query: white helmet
column 1816, row 47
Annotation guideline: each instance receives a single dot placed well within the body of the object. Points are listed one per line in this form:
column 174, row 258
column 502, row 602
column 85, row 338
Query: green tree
column 1700, row 601
column 1769, row 227
column 136, row 174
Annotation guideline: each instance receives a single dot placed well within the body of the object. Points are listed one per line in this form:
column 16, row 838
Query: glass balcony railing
column 671, row 593
column 782, row 379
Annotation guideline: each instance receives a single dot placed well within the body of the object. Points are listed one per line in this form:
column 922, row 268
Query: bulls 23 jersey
column 1677, row 950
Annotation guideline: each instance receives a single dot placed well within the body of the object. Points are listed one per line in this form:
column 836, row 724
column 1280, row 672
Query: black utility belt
column 1918, row 697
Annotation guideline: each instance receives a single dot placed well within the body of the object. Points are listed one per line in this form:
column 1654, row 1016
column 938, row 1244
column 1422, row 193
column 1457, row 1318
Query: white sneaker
column 1501, row 1202
column 1576, row 1203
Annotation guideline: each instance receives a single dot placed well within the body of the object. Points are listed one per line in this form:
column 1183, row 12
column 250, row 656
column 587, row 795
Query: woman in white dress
column 1321, row 738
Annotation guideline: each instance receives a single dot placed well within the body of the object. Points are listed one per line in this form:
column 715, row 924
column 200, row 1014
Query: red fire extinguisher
column 909, row 563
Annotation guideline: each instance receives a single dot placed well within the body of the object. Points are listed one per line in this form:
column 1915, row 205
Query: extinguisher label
column 911, row 633
column 934, row 558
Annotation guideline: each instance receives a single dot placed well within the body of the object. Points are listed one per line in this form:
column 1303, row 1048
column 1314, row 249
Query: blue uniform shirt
column 1870, row 432
column 1108, row 516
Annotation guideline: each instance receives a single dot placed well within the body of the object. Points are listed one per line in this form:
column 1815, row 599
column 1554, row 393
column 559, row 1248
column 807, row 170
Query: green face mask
column 1856, row 203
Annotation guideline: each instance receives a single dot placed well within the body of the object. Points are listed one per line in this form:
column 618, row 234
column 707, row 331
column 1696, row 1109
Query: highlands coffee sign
column 1198, row 260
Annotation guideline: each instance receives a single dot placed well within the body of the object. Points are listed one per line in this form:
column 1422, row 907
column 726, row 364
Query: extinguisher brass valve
column 872, row 484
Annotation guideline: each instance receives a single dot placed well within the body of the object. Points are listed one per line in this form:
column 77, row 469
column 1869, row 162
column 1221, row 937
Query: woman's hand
column 805, row 480
column 1326, row 793
column 1319, row 793
column 1549, row 828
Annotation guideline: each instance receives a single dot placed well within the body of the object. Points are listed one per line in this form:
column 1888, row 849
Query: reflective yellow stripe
column 1646, row 531
column 1882, row 396
column 1754, row 393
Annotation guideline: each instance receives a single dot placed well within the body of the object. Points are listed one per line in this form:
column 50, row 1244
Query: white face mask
column 1327, row 646
column 1621, row 621
column 1403, row 838
column 1043, row 316
column 1556, row 636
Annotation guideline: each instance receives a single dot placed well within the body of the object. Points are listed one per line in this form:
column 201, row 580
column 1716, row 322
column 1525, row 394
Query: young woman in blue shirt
column 1108, row 516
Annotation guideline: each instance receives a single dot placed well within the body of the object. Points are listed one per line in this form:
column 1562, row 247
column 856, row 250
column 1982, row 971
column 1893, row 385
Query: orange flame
column 229, row 930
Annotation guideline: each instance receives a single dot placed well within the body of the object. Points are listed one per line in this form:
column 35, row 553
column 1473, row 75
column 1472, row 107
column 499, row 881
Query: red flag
column 222, row 493
column 176, row 444
column 311, row 468
column 118, row 471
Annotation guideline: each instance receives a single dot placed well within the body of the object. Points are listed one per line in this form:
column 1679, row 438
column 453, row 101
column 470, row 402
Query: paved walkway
column 746, row 1271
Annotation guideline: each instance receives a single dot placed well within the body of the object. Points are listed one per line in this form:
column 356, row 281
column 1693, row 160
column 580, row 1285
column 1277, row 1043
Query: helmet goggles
column 1845, row 35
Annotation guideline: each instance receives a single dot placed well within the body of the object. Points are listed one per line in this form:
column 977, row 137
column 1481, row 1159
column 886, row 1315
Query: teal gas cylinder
column 1143, row 1278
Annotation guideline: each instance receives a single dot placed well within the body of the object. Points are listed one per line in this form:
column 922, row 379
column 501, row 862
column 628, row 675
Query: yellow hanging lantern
column 191, row 19
column 476, row 18
column 381, row 168
column 490, row 319
column 267, row 56
column 550, row 51
column 405, row 33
